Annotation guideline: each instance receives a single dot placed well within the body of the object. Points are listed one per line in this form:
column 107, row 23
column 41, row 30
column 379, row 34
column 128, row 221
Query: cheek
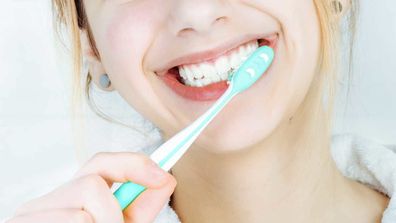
column 306, row 33
column 126, row 39
column 301, row 31
column 123, row 44
column 122, row 59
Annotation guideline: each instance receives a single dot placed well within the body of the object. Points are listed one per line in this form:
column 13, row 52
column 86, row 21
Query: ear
column 95, row 66
column 341, row 7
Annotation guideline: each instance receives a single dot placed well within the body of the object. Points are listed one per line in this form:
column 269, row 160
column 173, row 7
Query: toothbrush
column 172, row 150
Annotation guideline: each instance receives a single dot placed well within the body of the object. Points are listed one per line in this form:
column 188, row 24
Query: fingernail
column 157, row 172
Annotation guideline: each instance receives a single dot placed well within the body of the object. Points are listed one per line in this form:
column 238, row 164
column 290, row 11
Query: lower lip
column 205, row 93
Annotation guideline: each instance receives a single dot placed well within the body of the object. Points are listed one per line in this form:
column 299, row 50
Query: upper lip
column 201, row 56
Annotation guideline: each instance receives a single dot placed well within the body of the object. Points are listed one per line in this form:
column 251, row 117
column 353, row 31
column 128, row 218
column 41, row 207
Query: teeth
column 235, row 60
column 243, row 50
column 222, row 65
column 196, row 72
column 198, row 83
column 205, row 73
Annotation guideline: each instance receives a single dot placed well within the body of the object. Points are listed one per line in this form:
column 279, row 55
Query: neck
column 282, row 174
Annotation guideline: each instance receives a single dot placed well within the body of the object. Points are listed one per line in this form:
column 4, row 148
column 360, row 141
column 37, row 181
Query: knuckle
column 91, row 163
column 140, row 155
column 142, row 159
column 147, row 162
column 93, row 183
column 93, row 188
column 81, row 217
column 172, row 181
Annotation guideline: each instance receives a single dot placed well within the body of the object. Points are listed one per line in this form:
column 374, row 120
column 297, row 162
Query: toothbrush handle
column 127, row 193
column 172, row 150
column 178, row 144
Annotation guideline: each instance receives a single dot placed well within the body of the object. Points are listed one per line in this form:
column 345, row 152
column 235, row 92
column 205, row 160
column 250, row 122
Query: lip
column 209, row 92
column 211, row 54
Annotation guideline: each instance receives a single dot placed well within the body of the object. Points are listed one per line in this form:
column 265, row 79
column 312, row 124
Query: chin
column 237, row 135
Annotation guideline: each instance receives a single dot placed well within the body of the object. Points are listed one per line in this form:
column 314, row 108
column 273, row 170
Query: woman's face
column 146, row 46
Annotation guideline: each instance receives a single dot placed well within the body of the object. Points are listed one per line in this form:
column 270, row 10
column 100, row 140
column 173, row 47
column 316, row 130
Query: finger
column 125, row 166
column 90, row 193
column 58, row 216
column 147, row 206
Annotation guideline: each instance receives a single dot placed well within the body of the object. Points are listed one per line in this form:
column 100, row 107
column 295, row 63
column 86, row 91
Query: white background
column 36, row 144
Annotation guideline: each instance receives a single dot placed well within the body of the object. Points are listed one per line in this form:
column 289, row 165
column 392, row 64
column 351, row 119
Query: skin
column 268, row 175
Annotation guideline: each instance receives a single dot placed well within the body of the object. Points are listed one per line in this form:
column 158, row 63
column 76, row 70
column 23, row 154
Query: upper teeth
column 206, row 73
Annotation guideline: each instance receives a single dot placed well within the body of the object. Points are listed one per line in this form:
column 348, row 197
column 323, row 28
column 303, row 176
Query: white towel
column 368, row 162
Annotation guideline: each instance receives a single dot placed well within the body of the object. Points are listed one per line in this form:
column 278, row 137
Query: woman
column 265, row 158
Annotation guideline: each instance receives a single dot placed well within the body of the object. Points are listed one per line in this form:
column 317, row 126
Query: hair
column 71, row 14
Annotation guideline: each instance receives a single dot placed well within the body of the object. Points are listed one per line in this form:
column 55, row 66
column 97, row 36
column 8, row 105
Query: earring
column 337, row 6
column 104, row 81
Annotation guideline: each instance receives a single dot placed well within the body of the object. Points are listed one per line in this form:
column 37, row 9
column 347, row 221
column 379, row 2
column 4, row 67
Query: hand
column 87, row 198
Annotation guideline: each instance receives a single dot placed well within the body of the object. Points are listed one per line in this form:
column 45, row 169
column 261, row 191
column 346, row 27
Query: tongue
column 175, row 73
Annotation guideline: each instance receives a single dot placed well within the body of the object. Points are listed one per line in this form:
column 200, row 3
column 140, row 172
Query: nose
column 197, row 16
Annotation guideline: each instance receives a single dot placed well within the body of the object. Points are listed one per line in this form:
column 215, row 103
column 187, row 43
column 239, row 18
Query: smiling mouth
column 203, row 76
column 217, row 69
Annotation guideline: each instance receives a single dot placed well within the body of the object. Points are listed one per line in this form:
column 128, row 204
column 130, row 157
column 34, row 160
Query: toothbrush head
column 252, row 69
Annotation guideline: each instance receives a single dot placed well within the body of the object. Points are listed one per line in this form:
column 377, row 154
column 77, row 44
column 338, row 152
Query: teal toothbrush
column 172, row 150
